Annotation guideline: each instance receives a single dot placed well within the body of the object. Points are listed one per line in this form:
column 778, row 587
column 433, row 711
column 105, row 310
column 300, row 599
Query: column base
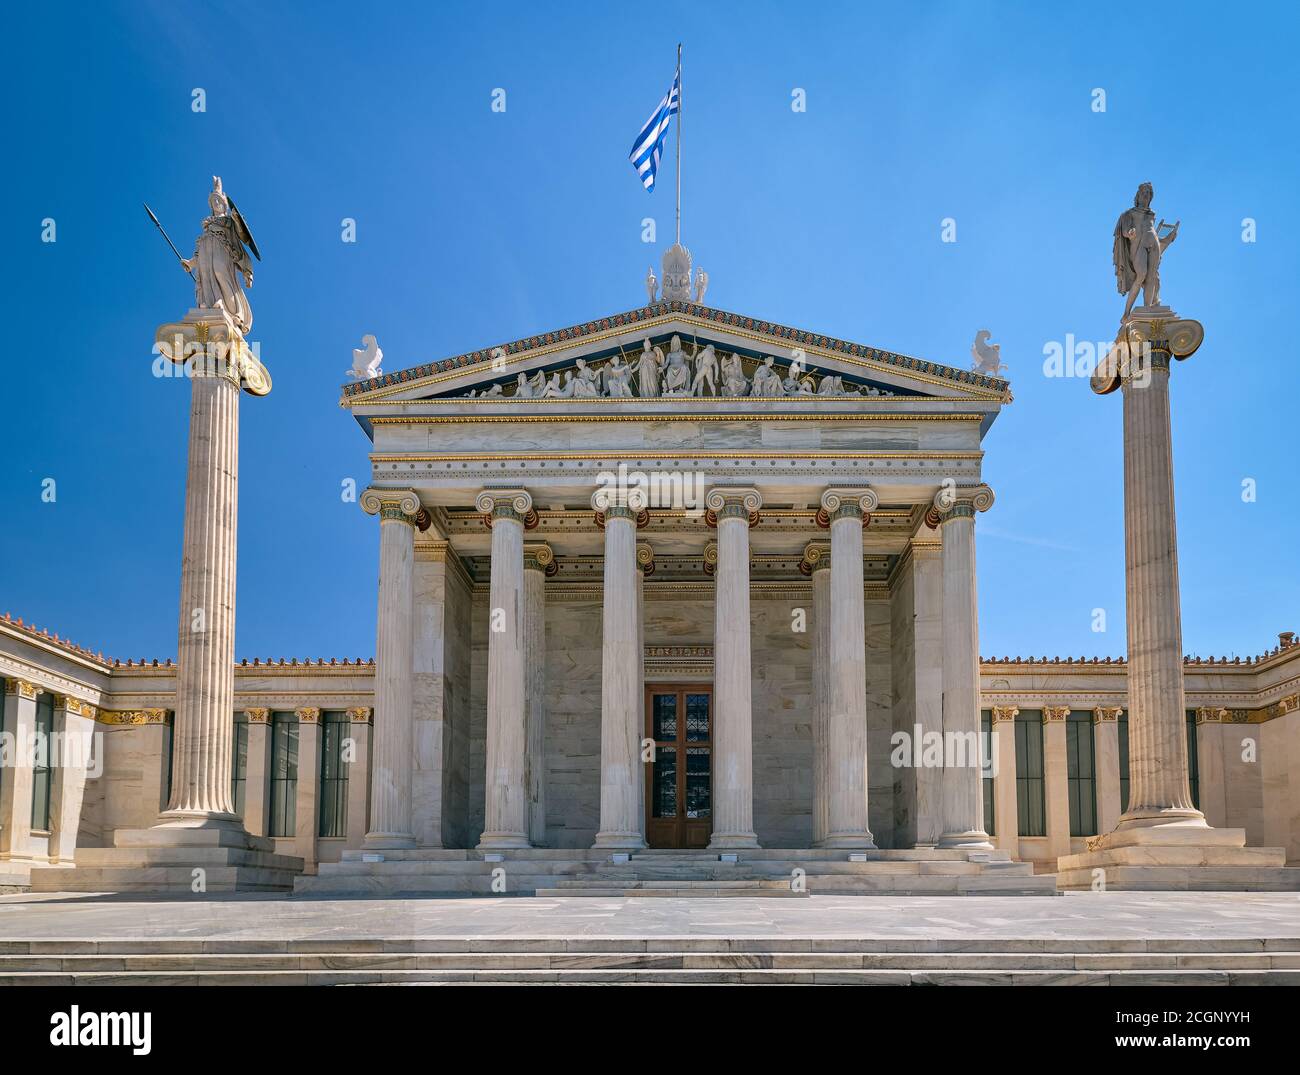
column 502, row 841
column 207, row 820
column 1172, row 857
column 725, row 841
column 853, row 840
column 974, row 840
column 1146, row 819
column 620, row 841
column 388, row 841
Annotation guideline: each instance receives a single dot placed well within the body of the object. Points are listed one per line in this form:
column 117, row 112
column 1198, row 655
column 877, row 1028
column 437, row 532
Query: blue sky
column 475, row 227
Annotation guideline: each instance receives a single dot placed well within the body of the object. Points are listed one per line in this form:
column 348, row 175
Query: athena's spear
column 167, row 237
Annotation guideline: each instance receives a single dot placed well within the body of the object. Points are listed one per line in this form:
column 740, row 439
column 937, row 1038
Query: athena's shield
column 241, row 229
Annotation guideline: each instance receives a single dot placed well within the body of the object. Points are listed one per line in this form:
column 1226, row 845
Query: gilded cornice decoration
column 133, row 716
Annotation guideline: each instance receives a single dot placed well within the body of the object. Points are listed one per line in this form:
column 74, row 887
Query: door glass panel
column 665, row 716
column 698, row 798
column 664, row 793
column 697, row 718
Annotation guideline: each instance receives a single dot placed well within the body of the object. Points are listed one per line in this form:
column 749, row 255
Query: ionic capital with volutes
column 513, row 505
column 732, row 502
column 816, row 557
column 847, row 503
column 958, row 502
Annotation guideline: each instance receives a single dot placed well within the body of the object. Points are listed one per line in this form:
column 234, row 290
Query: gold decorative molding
column 74, row 705
column 1211, row 714
column 133, row 716
column 1107, row 714
column 258, row 715
column 360, row 714
column 602, row 456
column 308, row 714
column 1002, row 713
column 22, row 688
column 475, row 419
column 1053, row 713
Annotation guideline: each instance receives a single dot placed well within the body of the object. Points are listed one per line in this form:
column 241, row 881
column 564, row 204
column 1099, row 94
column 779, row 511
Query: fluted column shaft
column 1158, row 787
column 963, row 800
column 205, row 685
column 733, row 735
column 390, row 787
column 505, row 812
column 537, row 558
column 620, row 688
column 821, row 692
column 847, row 712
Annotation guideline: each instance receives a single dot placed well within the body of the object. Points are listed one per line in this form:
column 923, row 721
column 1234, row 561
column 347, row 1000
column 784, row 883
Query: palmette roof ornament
column 677, row 274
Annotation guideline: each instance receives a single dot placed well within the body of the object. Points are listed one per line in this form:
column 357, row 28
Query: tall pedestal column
column 817, row 563
column 645, row 564
column 16, row 777
column 846, row 719
column 620, row 682
column 963, row 800
column 257, row 786
column 505, row 809
column 358, row 774
column 76, row 720
column 733, row 733
column 539, row 561
column 390, row 788
column 1105, row 738
column 205, row 673
column 1056, row 767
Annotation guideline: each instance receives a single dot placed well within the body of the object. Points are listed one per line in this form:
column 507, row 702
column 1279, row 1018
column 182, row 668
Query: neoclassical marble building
column 673, row 580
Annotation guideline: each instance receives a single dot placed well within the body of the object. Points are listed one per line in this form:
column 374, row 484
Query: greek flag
column 649, row 144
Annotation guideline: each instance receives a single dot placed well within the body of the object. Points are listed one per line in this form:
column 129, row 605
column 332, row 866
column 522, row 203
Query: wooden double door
column 679, row 782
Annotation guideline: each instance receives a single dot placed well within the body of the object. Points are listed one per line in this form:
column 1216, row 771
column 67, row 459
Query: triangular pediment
column 739, row 343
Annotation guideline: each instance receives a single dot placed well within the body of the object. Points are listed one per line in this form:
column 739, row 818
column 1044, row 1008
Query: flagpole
column 679, row 144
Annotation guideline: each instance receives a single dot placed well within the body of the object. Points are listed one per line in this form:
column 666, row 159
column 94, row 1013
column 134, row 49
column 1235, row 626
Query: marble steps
column 1122, row 878
column 613, row 961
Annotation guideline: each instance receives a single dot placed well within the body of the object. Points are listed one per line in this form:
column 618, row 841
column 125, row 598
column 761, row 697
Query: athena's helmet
column 217, row 200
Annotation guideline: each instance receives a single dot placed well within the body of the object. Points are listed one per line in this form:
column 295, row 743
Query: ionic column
column 505, row 810
column 1105, row 739
column 1006, row 806
column 390, row 788
column 539, row 562
column 358, row 774
column 256, row 777
column 1056, row 772
column 205, row 672
column 1157, row 748
column 817, row 563
column 620, row 677
column 645, row 564
column 76, row 721
column 846, row 512
column 1211, row 764
column 733, row 736
column 16, row 777
column 963, row 801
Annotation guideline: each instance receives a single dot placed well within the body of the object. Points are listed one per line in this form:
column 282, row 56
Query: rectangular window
column 1030, row 806
column 1193, row 761
column 1123, row 760
column 284, row 773
column 42, row 772
column 1082, row 773
column 335, row 729
column 239, row 762
column 986, row 739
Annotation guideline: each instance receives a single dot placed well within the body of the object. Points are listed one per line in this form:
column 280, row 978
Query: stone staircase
column 643, row 960
column 767, row 872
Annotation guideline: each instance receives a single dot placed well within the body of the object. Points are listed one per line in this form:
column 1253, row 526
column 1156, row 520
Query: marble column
column 846, row 715
column 1056, row 778
column 539, row 561
column 1006, row 805
column 645, row 563
column 75, row 721
column 733, row 733
column 1105, row 738
column 621, row 705
column 1213, row 776
column 817, row 563
column 963, row 801
column 257, row 788
column 1159, row 793
column 16, row 779
column 358, row 774
column 505, row 810
column 307, row 801
column 205, row 672
column 390, row 790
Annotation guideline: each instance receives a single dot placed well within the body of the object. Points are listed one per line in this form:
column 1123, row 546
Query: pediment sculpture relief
column 702, row 372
